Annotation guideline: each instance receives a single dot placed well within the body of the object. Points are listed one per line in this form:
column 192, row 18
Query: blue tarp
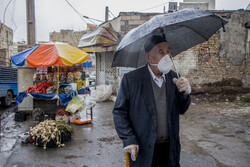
column 19, row 59
column 84, row 91
column 87, row 64
column 64, row 98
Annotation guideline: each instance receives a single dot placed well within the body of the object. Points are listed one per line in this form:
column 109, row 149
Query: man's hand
column 133, row 150
column 183, row 85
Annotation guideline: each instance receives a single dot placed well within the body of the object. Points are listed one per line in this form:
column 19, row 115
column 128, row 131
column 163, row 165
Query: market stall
column 103, row 42
column 58, row 78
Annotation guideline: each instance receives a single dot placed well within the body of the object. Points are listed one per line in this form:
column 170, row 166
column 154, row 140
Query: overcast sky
column 53, row 15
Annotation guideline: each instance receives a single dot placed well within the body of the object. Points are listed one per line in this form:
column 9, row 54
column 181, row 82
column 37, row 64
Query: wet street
column 214, row 133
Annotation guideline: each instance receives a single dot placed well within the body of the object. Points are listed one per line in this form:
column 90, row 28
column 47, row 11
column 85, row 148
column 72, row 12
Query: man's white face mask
column 164, row 65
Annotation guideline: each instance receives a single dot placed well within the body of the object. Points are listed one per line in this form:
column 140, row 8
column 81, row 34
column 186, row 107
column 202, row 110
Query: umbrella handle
column 127, row 157
column 175, row 67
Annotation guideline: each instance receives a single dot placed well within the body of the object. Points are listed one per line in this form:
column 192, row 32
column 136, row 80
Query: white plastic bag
column 102, row 93
column 89, row 101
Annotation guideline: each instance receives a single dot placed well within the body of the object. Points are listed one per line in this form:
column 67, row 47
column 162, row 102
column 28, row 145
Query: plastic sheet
column 64, row 98
column 102, row 93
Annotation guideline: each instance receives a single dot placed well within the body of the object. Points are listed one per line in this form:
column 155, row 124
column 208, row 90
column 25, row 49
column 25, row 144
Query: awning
column 104, row 38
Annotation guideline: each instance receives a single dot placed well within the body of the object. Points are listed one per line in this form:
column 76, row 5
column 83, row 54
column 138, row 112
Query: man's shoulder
column 136, row 73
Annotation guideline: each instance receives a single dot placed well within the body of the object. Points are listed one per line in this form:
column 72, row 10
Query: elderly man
column 146, row 112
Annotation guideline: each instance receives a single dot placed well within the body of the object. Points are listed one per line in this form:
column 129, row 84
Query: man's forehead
column 162, row 45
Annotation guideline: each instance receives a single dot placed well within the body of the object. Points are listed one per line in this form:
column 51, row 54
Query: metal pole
column 107, row 13
column 175, row 67
column 31, row 32
column 8, row 54
column 105, row 67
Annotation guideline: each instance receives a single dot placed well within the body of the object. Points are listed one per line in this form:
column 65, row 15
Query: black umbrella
column 182, row 29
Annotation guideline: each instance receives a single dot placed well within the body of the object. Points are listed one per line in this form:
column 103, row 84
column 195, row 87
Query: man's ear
column 147, row 56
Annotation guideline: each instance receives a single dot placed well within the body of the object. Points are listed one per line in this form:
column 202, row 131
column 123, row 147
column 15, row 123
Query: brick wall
column 130, row 20
column 222, row 63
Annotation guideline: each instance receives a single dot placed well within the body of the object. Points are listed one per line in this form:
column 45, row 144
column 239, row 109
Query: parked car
column 8, row 85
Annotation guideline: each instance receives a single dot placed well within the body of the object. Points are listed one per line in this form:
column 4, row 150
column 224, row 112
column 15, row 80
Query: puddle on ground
column 247, row 143
column 229, row 135
column 206, row 144
column 7, row 144
column 107, row 139
column 72, row 156
column 198, row 148
column 216, row 128
column 239, row 132
column 77, row 139
column 191, row 147
column 246, row 117
column 108, row 124
column 89, row 141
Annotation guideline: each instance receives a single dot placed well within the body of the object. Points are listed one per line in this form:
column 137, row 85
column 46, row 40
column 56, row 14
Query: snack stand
column 57, row 79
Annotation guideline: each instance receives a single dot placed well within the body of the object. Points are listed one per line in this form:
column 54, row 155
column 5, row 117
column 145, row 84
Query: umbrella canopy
column 182, row 29
column 50, row 54
column 103, row 37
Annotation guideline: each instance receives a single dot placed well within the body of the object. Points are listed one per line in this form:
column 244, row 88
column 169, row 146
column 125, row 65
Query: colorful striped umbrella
column 50, row 54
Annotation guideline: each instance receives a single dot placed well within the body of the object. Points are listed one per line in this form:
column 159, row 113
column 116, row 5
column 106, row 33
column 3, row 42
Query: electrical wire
column 12, row 18
column 76, row 11
column 4, row 14
column 91, row 18
column 82, row 16
column 152, row 7
column 14, row 23
column 111, row 13
column 6, row 10
column 79, row 14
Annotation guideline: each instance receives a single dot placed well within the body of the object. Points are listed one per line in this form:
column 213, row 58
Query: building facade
column 198, row 4
column 6, row 44
column 68, row 36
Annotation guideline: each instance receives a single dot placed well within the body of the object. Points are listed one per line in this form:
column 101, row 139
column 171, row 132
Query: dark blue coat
column 135, row 115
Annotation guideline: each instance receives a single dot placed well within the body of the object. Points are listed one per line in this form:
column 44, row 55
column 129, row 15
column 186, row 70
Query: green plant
column 246, row 99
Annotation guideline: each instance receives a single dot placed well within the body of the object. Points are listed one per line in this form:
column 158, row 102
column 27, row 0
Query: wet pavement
column 92, row 145
column 216, row 134
column 213, row 134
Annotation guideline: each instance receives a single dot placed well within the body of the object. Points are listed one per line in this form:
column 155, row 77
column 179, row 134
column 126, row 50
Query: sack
column 102, row 93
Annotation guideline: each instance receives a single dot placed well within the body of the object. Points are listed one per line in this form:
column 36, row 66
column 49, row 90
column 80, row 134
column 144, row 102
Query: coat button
column 149, row 146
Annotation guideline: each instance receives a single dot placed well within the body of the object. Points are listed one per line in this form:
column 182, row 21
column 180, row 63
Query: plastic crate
column 20, row 116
